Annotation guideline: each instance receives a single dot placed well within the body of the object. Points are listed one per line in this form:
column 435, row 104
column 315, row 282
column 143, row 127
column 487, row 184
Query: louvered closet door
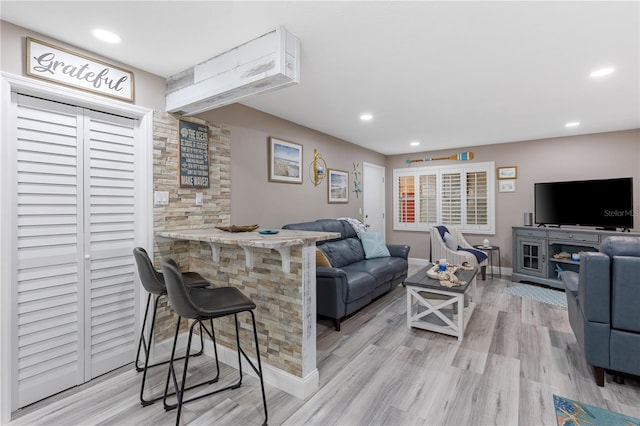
column 109, row 236
column 75, row 223
column 48, row 280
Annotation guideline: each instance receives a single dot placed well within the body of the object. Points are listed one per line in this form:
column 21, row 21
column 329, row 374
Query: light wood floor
column 515, row 355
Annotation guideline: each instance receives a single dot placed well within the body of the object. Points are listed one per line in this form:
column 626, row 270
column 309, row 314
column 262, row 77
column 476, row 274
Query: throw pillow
column 321, row 259
column 373, row 245
column 450, row 242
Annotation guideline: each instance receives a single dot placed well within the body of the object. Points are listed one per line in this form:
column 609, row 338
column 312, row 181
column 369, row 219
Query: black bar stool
column 203, row 305
column 153, row 282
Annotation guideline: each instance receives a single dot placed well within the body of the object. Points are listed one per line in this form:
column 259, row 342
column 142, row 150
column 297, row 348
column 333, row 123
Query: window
column 457, row 195
column 428, row 199
column 407, row 199
column 477, row 205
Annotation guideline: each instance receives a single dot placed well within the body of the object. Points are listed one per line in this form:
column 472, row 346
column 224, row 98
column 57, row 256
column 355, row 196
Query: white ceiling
column 447, row 74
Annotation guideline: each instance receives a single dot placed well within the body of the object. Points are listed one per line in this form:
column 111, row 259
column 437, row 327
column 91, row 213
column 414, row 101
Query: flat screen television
column 603, row 203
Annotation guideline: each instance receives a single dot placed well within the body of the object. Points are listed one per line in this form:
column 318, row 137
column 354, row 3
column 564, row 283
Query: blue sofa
column 603, row 303
column 352, row 281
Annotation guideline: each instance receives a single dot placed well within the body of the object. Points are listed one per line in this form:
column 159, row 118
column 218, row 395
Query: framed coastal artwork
column 285, row 161
column 507, row 185
column 510, row 172
column 338, row 183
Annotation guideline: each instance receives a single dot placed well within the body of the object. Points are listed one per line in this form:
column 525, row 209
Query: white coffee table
column 434, row 307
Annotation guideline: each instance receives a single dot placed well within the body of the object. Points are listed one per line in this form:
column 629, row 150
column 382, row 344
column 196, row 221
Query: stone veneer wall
column 182, row 211
column 278, row 296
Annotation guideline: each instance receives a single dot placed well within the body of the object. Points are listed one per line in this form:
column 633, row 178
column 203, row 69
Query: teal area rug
column 573, row 413
column 540, row 294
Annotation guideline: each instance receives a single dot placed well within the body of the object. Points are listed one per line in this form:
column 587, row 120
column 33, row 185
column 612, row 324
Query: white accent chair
column 439, row 250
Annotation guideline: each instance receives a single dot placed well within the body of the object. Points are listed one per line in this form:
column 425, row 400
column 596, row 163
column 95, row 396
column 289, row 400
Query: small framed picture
column 285, row 161
column 338, row 183
column 507, row 185
column 510, row 172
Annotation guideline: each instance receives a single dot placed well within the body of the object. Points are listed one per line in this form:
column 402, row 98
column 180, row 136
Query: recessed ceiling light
column 105, row 35
column 602, row 72
column 572, row 124
column 414, row 143
column 366, row 117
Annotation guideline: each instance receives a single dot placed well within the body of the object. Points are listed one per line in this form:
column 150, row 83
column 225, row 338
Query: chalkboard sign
column 194, row 155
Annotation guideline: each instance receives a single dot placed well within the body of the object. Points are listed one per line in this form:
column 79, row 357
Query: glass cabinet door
column 531, row 257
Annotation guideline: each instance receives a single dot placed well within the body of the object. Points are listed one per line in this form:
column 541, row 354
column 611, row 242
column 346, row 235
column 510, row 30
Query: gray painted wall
column 149, row 88
column 602, row 155
column 593, row 156
column 256, row 200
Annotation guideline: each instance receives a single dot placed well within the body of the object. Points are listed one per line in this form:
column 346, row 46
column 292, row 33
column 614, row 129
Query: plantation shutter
column 477, row 199
column 451, row 199
column 428, row 198
column 407, row 200
column 456, row 195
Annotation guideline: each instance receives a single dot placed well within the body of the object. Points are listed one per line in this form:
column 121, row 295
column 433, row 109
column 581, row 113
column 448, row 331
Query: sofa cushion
column 625, row 347
column 306, row 226
column 398, row 265
column 373, row 245
column 333, row 225
column 378, row 268
column 625, row 293
column 620, row 246
column 340, row 251
column 343, row 252
column 360, row 284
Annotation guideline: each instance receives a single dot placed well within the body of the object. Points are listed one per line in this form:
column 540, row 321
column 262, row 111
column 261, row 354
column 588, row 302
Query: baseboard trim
column 300, row 387
column 503, row 272
column 418, row 261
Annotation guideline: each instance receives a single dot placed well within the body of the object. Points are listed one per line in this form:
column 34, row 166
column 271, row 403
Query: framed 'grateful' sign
column 62, row 66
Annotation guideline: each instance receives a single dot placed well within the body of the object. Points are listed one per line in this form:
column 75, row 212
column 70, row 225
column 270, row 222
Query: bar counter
column 281, row 242
column 278, row 273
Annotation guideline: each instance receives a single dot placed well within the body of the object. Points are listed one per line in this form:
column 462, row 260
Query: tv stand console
column 535, row 251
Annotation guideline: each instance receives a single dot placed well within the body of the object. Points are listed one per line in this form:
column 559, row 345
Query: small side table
column 490, row 250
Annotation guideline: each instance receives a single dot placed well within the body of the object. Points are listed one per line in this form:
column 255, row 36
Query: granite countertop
column 284, row 238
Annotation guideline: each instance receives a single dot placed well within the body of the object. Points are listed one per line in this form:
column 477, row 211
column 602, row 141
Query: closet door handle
column 87, row 257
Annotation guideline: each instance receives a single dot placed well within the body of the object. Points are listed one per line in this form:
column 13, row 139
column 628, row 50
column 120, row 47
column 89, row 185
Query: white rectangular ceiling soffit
column 269, row 62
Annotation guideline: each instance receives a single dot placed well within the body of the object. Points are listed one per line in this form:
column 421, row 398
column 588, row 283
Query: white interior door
column 373, row 197
column 72, row 286
column 48, row 355
column 109, row 230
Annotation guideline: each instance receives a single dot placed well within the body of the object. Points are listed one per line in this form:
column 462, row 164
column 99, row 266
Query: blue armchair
column 603, row 303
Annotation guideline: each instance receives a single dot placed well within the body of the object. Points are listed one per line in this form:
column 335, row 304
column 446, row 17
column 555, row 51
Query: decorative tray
column 238, row 228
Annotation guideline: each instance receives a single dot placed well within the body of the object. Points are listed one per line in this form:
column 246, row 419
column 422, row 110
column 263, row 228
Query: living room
column 568, row 154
